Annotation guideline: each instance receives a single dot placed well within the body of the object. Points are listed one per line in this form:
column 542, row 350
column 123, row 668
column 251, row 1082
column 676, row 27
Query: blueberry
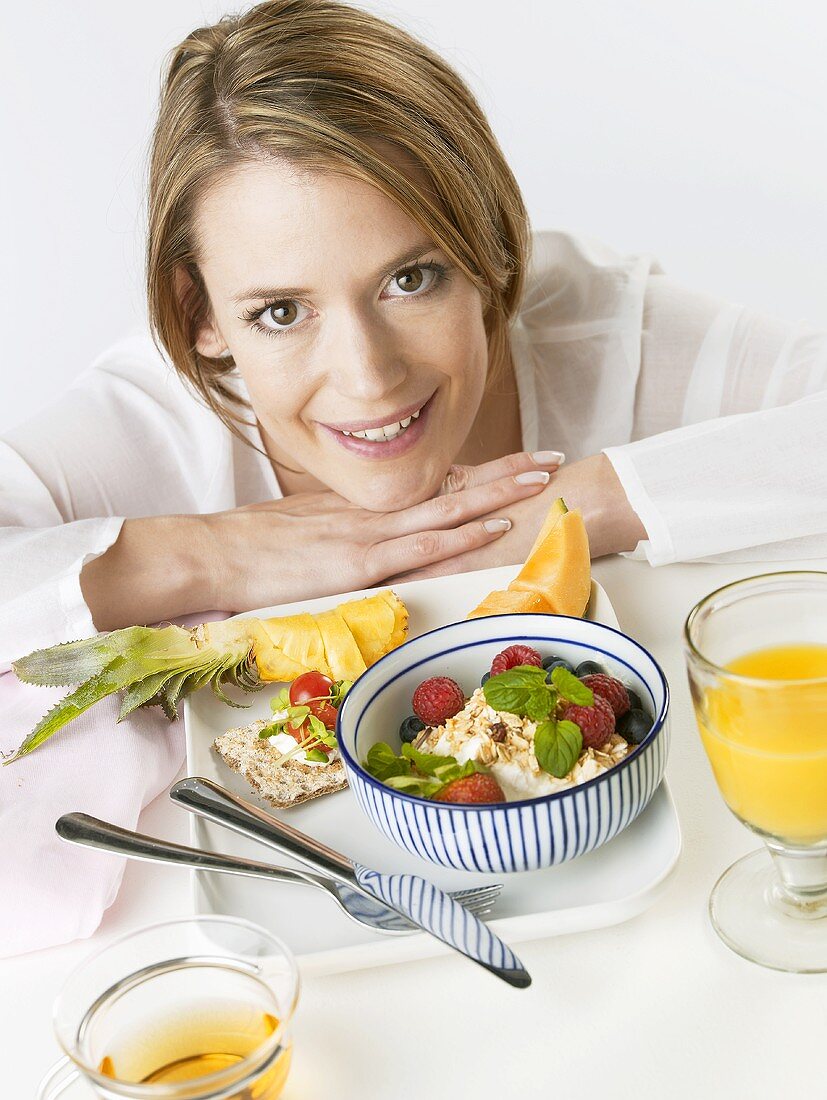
column 557, row 662
column 485, row 676
column 588, row 668
column 411, row 728
column 635, row 700
column 634, row 725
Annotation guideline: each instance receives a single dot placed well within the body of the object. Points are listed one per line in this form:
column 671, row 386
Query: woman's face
column 362, row 347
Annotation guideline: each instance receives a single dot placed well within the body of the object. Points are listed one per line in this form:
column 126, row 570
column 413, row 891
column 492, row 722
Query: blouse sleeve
column 125, row 440
column 744, row 475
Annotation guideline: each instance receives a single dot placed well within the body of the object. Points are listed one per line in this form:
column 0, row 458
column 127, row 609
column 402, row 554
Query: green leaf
column 557, row 746
column 426, row 762
column 421, row 786
column 317, row 726
column 511, row 690
column 443, row 768
column 339, row 691
column 570, row 688
column 316, row 755
column 280, row 701
column 383, row 763
column 539, row 705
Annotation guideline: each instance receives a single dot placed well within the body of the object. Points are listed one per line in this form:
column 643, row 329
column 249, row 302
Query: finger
column 453, row 509
column 466, row 477
column 401, row 555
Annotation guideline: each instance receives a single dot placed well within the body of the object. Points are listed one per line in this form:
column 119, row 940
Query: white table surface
column 655, row 1007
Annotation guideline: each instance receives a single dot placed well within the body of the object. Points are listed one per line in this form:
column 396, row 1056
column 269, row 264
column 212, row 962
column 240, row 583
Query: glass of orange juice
column 756, row 653
column 198, row 1008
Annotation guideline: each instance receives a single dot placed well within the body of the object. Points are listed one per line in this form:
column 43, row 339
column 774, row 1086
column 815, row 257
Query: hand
column 590, row 485
column 312, row 544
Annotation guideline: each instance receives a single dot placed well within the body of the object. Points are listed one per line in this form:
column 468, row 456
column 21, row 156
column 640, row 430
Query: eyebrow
column 407, row 257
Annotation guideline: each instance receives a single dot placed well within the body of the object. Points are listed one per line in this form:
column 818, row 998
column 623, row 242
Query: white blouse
column 714, row 418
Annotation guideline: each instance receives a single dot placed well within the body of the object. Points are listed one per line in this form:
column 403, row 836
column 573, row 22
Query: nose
column 364, row 361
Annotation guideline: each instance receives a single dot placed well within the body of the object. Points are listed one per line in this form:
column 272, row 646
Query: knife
column 421, row 902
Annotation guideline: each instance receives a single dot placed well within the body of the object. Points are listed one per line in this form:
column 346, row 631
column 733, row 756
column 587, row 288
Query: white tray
column 605, row 887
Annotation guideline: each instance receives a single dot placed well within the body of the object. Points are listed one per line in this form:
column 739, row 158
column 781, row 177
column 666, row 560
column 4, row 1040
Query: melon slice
column 557, row 570
column 508, row 601
column 559, row 566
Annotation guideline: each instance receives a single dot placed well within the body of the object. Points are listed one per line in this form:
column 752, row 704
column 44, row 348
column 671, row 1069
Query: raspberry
column 597, row 723
column 479, row 787
column 611, row 690
column 515, row 655
column 437, row 699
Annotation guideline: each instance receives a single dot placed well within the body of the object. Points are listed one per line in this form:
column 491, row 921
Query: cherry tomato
column 310, row 685
column 312, row 689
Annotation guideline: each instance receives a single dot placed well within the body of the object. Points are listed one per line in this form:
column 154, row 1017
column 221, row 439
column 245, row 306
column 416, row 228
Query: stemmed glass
column 756, row 654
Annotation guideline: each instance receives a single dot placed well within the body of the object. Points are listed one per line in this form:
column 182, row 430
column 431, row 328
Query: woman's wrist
column 158, row 568
column 592, row 485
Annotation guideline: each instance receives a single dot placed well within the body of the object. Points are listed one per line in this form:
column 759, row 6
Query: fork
column 215, row 803
column 79, row 828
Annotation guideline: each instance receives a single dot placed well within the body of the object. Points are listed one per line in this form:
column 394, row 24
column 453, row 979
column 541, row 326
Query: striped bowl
column 507, row 836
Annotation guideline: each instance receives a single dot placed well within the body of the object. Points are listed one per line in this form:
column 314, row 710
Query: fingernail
column 492, row 525
column 533, row 477
column 548, row 458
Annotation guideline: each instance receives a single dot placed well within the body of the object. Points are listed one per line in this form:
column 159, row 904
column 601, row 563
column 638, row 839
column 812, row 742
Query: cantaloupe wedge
column 557, row 570
column 508, row 601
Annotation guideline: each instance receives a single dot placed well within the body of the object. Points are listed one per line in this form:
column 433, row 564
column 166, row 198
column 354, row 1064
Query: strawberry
column 515, row 655
column 611, row 690
column 597, row 723
column 479, row 787
column 437, row 699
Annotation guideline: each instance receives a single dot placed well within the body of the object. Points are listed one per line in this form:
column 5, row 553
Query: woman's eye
column 411, row 280
column 279, row 315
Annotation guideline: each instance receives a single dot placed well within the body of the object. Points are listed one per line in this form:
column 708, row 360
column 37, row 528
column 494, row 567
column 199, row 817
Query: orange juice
column 767, row 740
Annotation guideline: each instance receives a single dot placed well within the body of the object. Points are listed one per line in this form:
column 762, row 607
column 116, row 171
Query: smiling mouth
column 384, row 432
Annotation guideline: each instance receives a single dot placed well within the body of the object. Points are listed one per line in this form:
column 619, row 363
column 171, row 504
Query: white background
column 695, row 130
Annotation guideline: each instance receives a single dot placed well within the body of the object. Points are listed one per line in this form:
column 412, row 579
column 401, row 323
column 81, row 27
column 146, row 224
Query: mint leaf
column 383, row 763
column 571, row 688
column 511, row 690
column 557, row 746
column 539, row 705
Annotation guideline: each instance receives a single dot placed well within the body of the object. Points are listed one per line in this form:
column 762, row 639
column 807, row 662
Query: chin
column 389, row 494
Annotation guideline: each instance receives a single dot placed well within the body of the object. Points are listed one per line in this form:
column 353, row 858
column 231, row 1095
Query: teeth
column 386, row 432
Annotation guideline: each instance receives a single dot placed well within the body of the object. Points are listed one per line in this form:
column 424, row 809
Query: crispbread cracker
column 282, row 785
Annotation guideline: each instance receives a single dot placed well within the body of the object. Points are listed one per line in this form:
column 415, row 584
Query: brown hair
column 313, row 81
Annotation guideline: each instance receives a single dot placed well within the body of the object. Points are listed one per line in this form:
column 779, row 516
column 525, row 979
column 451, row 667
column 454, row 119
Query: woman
column 311, row 168
column 387, row 365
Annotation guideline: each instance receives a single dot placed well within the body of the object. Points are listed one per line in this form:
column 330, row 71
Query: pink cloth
column 53, row 892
